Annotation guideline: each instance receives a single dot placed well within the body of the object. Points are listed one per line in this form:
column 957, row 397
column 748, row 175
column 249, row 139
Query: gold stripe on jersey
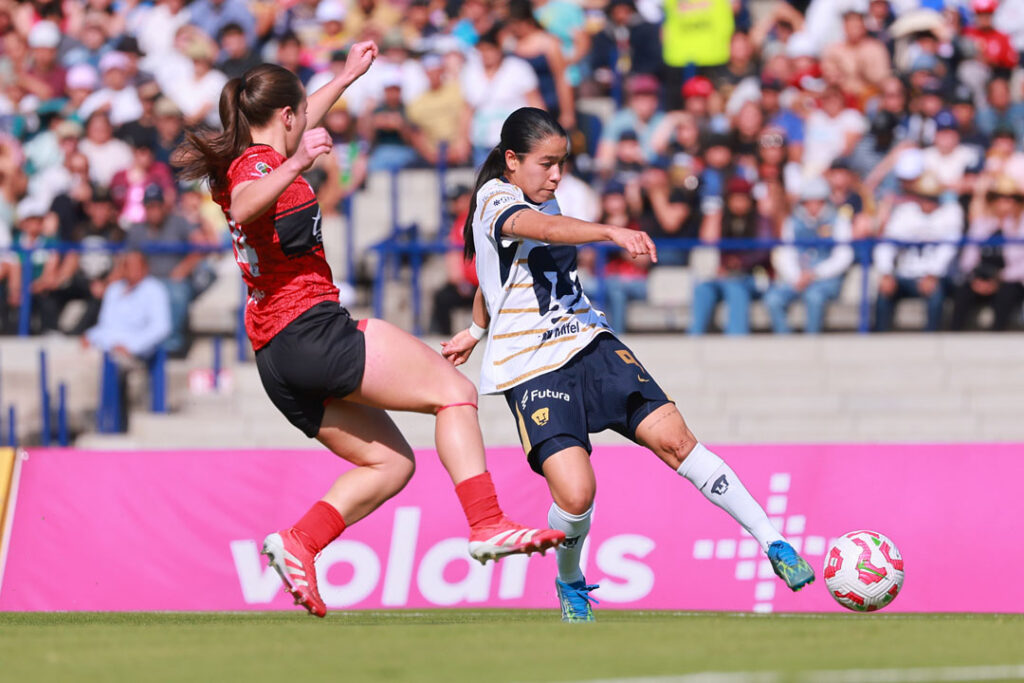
column 537, row 371
column 518, row 310
column 521, row 333
column 521, row 261
column 547, row 342
column 524, row 437
column 520, row 285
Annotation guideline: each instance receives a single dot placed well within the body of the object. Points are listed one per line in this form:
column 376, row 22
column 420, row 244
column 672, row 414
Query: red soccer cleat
column 509, row 538
column 295, row 565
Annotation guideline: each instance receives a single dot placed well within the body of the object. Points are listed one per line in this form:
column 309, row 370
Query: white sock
column 568, row 553
column 721, row 486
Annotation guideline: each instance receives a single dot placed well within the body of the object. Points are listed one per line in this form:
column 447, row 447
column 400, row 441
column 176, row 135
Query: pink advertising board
column 180, row 530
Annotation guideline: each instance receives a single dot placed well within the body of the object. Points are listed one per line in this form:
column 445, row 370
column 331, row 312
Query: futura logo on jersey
column 537, row 394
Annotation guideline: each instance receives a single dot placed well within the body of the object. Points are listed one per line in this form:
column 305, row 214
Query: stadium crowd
column 782, row 119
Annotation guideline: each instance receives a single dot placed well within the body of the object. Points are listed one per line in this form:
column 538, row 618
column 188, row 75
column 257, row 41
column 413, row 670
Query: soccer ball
column 863, row 571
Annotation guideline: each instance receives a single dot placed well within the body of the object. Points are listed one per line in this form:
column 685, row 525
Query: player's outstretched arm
column 542, row 227
column 359, row 59
column 251, row 198
column 460, row 347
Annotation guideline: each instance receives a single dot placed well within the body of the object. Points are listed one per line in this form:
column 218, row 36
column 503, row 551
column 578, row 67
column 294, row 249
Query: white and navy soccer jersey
column 540, row 317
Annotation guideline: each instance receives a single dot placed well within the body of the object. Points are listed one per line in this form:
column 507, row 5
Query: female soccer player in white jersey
column 560, row 367
column 331, row 376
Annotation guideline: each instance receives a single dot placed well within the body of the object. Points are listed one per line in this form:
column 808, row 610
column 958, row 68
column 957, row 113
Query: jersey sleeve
column 496, row 203
column 254, row 163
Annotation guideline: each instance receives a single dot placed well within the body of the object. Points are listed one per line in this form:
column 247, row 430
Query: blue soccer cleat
column 575, row 600
column 789, row 566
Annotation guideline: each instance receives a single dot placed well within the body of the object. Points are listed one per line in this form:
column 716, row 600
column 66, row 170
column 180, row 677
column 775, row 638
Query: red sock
column 479, row 500
column 318, row 527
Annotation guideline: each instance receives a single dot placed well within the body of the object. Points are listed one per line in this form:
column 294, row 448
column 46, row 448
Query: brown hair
column 245, row 103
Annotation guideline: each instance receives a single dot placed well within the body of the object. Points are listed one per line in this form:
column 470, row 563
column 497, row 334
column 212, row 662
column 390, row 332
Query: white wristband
column 477, row 332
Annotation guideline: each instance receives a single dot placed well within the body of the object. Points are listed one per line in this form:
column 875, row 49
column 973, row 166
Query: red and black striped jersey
column 280, row 252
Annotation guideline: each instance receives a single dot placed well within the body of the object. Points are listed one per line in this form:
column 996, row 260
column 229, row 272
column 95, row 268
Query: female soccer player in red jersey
column 562, row 370
column 332, row 377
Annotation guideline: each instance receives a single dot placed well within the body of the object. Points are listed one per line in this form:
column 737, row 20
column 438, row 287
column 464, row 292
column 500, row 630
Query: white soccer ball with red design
column 863, row 571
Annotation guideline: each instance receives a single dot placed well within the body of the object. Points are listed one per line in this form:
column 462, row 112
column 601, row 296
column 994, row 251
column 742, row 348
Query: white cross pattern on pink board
column 751, row 563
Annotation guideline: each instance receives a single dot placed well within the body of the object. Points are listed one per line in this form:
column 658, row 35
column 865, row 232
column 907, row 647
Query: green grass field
column 498, row 645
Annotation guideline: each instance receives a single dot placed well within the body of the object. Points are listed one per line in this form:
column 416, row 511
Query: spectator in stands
column 831, row 132
column 641, row 115
column 169, row 125
column 734, row 283
column 84, row 275
column 494, row 85
column 992, row 273
column 625, row 278
column 330, row 36
column 543, row 52
column 947, row 160
column 74, row 191
column 1000, row 111
column 80, row 82
column 106, row 154
column 567, row 22
column 434, row 115
column 776, row 114
column 371, row 17
column 213, row 15
column 198, row 92
column 694, row 35
column 38, row 256
column 811, row 273
column 917, row 272
column 118, row 98
column 157, row 25
column 667, row 204
column 845, row 195
column 460, row 287
column 626, row 44
column 290, row 55
column 346, row 166
column 741, row 66
column 388, row 129
column 859, row 63
column 237, row 56
column 135, row 319
column 128, row 186
column 166, row 235
column 90, row 44
column 45, row 76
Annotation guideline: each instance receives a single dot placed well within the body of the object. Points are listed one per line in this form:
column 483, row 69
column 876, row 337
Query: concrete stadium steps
column 834, row 388
column 67, row 362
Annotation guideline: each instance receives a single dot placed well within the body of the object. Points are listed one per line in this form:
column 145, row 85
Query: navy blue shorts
column 603, row 387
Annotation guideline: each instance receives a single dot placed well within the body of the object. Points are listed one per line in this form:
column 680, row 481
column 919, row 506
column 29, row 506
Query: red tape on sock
column 455, row 405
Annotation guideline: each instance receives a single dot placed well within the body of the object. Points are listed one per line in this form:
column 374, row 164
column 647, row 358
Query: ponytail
column 523, row 130
column 494, row 167
column 245, row 103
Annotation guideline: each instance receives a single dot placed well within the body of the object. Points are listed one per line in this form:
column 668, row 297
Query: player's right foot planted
column 575, row 600
column 509, row 538
column 295, row 565
column 789, row 566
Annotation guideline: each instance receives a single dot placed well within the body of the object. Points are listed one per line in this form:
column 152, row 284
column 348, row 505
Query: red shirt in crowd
column 280, row 252
column 456, row 239
column 993, row 47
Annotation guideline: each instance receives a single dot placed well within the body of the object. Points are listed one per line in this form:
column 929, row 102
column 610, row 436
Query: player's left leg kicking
column 665, row 432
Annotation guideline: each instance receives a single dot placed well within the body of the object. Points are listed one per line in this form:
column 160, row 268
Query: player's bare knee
column 577, row 500
column 458, row 390
column 400, row 469
column 679, row 447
